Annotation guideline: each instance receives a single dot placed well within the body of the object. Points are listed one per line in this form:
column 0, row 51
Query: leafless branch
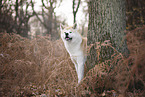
column 75, row 10
column 37, row 15
column 42, row 1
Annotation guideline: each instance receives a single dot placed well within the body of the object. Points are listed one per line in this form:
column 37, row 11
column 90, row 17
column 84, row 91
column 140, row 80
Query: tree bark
column 106, row 22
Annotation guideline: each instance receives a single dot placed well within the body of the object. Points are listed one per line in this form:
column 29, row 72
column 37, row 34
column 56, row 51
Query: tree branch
column 75, row 11
column 16, row 9
column 78, row 5
column 42, row 1
column 37, row 15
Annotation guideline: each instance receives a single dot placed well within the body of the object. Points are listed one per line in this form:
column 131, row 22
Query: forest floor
column 42, row 68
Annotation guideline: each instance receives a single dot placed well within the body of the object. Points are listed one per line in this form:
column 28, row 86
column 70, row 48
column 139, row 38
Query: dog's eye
column 70, row 32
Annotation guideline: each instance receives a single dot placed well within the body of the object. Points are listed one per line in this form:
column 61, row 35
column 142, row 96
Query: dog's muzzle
column 67, row 38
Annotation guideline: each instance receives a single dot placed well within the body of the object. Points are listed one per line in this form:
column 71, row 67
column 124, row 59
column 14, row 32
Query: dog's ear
column 74, row 25
column 61, row 26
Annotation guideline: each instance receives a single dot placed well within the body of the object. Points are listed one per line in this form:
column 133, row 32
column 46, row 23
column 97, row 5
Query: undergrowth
column 40, row 67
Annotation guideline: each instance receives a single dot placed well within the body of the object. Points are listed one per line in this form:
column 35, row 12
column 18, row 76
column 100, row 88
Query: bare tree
column 6, row 19
column 75, row 10
column 47, row 17
column 19, row 10
column 22, row 17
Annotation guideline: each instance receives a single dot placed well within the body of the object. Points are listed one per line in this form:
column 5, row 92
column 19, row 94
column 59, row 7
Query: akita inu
column 76, row 46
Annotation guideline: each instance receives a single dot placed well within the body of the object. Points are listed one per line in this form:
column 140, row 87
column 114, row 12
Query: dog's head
column 69, row 33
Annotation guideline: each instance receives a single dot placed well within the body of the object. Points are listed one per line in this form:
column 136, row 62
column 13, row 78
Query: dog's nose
column 66, row 34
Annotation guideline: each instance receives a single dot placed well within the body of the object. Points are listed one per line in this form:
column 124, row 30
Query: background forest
column 34, row 62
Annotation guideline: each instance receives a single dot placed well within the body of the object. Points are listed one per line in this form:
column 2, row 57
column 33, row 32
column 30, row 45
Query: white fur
column 75, row 49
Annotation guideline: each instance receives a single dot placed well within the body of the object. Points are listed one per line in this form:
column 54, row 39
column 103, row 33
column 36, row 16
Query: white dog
column 76, row 46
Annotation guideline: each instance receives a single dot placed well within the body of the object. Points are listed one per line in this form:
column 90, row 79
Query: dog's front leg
column 74, row 60
column 80, row 69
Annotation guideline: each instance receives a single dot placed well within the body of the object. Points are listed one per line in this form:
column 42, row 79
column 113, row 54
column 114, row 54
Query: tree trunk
column 106, row 22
